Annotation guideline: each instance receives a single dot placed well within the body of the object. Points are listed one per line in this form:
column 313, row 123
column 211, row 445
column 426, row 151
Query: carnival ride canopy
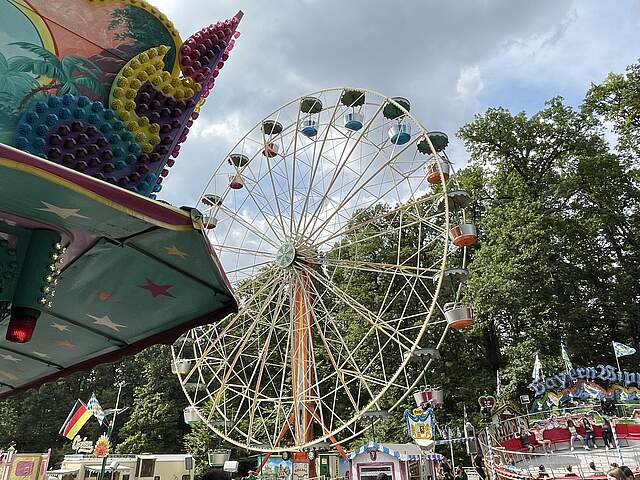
column 96, row 99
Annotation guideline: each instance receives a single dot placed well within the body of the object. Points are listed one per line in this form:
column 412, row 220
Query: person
column 617, row 474
column 589, row 436
column 594, row 470
column 382, row 476
column 570, row 472
column 460, row 474
column 572, row 430
column 478, row 465
column 628, row 472
column 524, row 440
column 542, row 472
column 538, row 433
column 614, row 465
column 607, row 433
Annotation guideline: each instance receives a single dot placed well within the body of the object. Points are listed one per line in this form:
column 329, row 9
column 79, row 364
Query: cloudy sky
column 452, row 59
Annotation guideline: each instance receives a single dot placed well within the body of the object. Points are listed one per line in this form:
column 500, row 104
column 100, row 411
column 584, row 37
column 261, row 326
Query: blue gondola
column 400, row 134
column 353, row 121
column 309, row 128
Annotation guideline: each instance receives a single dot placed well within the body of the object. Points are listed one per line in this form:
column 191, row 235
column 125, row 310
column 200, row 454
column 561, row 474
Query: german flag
column 78, row 416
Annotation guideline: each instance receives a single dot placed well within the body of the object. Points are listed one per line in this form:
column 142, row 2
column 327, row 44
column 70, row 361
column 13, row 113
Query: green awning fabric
column 136, row 271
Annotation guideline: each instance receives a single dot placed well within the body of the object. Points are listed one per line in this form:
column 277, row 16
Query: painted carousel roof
column 400, row 451
column 135, row 271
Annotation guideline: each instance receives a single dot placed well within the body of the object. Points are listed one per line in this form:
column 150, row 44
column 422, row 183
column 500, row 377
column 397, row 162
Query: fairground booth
column 583, row 421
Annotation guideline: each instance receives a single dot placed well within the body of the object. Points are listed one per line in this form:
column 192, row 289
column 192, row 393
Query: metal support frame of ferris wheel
column 310, row 286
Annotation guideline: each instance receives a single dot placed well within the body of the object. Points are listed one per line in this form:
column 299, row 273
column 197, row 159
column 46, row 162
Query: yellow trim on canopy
column 94, row 196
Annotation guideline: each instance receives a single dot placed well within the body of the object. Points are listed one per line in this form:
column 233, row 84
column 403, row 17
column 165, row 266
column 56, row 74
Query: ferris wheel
column 340, row 224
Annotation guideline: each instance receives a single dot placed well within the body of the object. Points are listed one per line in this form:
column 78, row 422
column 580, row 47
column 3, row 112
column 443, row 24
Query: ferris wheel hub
column 285, row 255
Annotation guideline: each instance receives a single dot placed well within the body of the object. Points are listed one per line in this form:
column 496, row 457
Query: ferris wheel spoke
column 316, row 164
column 363, row 131
column 246, row 224
column 240, row 250
column 354, row 192
column 368, row 221
column 263, row 360
column 353, row 362
column 376, row 322
column 272, row 283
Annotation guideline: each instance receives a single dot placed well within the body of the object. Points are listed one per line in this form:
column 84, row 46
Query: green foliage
column 617, row 100
column 68, row 74
column 144, row 30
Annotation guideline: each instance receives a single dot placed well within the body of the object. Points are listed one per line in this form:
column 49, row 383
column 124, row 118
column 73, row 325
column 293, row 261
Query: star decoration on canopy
column 176, row 252
column 61, row 328
column 105, row 321
column 65, row 344
column 103, row 296
column 63, row 213
column 10, row 358
column 8, row 375
column 156, row 289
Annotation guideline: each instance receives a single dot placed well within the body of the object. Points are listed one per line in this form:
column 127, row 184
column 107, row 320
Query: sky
column 453, row 60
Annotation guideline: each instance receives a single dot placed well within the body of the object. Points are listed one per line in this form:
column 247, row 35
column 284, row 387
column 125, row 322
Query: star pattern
column 176, row 252
column 65, row 344
column 157, row 289
column 40, row 354
column 63, row 213
column 62, row 328
column 105, row 321
column 8, row 375
column 10, row 358
column 103, row 296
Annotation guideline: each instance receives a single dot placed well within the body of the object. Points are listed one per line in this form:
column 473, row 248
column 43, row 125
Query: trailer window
column 147, row 467
column 372, row 472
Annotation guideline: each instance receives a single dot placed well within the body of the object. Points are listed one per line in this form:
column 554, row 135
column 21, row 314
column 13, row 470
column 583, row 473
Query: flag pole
column 109, row 431
column 613, row 344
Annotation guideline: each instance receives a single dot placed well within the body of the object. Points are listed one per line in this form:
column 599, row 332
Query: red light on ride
column 21, row 327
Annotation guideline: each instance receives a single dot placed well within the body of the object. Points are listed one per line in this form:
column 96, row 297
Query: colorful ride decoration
column 134, row 135
column 421, row 425
column 96, row 98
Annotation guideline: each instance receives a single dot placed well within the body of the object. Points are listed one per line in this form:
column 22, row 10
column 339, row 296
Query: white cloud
column 469, row 83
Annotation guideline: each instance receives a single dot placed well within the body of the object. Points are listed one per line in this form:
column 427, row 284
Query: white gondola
column 211, row 200
column 400, row 133
column 191, row 415
column 236, row 181
column 270, row 150
column 464, row 235
column 433, row 396
column 353, row 121
column 238, row 160
column 309, row 128
column 458, row 315
column 181, row 367
column 210, row 222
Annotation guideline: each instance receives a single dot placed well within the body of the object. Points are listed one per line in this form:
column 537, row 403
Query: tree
column 145, row 30
column 68, row 74
column 156, row 423
column 617, row 100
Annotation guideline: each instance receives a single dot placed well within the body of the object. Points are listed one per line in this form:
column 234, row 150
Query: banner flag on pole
column 537, row 369
column 78, row 416
column 565, row 358
column 622, row 350
column 96, row 410
column 498, row 384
